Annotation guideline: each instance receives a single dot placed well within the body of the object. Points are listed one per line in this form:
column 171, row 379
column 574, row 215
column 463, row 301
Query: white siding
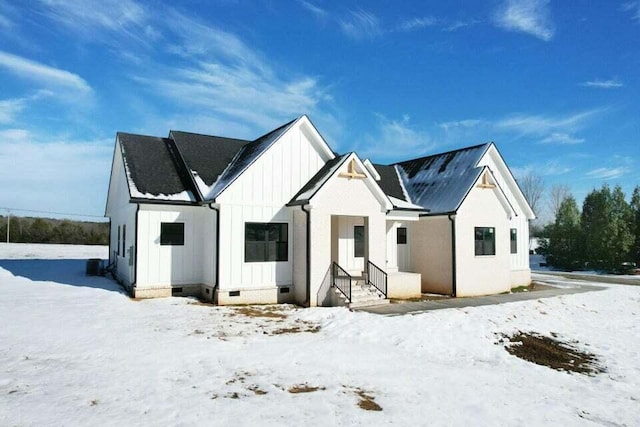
column 191, row 263
column 260, row 195
column 482, row 274
column 398, row 256
column 121, row 213
column 431, row 251
column 520, row 222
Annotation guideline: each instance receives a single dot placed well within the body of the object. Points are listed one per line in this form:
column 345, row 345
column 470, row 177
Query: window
column 124, row 240
column 401, row 237
column 485, row 241
column 358, row 241
column 514, row 241
column 266, row 242
column 172, row 233
column 118, row 247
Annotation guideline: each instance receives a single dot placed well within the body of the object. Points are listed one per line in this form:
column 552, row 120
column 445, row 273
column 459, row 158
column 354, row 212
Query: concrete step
column 368, row 303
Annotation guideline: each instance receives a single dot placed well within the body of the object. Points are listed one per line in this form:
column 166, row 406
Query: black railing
column 377, row 278
column 341, row 280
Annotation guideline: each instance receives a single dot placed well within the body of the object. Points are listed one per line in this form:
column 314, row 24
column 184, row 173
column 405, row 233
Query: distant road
column 588, row 277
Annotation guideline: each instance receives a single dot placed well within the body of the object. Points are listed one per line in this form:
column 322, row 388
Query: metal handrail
column 377, row 278
column 341, row 280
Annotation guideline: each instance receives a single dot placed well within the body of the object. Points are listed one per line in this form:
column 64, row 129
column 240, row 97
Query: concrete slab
column 415, row 307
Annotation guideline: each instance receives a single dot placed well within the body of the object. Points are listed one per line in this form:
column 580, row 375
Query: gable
column 504, row 178
column 282, row 167
column 344, row 178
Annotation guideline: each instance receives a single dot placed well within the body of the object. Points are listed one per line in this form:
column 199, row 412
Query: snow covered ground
column 76, row 351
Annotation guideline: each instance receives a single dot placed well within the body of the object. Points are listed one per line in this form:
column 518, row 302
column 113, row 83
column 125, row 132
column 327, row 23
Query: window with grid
column 172, row 233
column 266, row 242
column 485, row 240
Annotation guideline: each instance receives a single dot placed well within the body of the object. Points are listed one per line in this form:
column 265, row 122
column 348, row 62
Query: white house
column 285, row 219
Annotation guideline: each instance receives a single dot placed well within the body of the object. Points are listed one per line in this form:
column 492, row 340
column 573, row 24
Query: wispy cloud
column 105, row 20
column 634, row 8
column 313, row 8
column 417, row 23
column 527, row 16
column 397, row 136
column 561, row 138
column 10, row 108
column 456, row 25
column 361, row 24
column 541, row 125
column 603, row 84
column 608, row 173
column 548, row 168
column 49, row 76
column 223, row 75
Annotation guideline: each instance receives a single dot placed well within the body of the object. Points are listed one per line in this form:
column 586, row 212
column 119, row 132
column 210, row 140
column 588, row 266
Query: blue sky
column 553, row 83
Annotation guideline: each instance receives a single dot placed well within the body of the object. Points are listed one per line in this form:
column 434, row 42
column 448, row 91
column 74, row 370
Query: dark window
column 514, row 241
column 172, row 233
column 234, row 293
column 284, row 290
column 266, row 242
column 402, row 236
column 124, row 240
column 358, row 241
column 118, row 246
column 485, row 240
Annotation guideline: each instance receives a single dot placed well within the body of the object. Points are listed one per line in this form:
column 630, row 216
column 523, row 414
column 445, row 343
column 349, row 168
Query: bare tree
column 532, row 186
column 558, row 193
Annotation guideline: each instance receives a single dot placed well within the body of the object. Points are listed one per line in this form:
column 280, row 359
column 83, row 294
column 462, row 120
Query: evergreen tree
column 606, row 228
column 564, row 248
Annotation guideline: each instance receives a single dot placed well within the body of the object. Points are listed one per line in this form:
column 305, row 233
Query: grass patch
column 303, row 388
column 367, row 401
column 269, row 312
column 551, row 352
column 306, row 327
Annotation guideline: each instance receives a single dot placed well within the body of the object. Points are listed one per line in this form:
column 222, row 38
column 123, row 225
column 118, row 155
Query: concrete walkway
column 588, row 277
column 422, row 306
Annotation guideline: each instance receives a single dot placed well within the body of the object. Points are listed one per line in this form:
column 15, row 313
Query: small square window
column 514, row 241
column 402, row 236
column 264, row 242
column 172, row 234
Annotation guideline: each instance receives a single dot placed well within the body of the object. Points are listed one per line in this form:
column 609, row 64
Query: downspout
column 216, row 286
column 135, row 255
column 308, row 284
column 452, row 219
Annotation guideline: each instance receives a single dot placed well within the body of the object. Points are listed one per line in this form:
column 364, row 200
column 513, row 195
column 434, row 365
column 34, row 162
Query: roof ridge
column 275, row 130
column 140, row 134
column 441, row 154
column 210, row 136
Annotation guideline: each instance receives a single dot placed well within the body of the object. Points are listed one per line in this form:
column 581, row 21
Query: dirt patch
column 302, row 327
column 303, row 388
column 268, row 312
column 551, row 352
column 257, row 390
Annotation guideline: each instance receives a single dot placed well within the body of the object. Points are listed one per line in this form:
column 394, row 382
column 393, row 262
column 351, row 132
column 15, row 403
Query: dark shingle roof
column 150, row 165
column 207, row 156
column 389, row 181
column 317, row 181
column 441, row 182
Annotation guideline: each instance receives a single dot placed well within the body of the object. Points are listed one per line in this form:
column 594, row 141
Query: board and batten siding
column 189, row 264
column 121, row 213
column 260, row 194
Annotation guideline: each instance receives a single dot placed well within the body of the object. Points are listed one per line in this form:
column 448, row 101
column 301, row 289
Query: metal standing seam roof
column 441, row 182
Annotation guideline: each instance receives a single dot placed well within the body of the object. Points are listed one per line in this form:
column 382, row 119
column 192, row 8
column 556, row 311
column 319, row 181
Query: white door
column 351, row 235
column 402, row 242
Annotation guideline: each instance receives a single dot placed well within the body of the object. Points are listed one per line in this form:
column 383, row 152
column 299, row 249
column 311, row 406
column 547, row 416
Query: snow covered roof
column 188, row 167
column 151, row 169
column 317, row 181
column 438, row 183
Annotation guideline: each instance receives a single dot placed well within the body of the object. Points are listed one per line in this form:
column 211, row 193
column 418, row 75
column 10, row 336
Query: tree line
column 47, row 230
column 603, row 235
